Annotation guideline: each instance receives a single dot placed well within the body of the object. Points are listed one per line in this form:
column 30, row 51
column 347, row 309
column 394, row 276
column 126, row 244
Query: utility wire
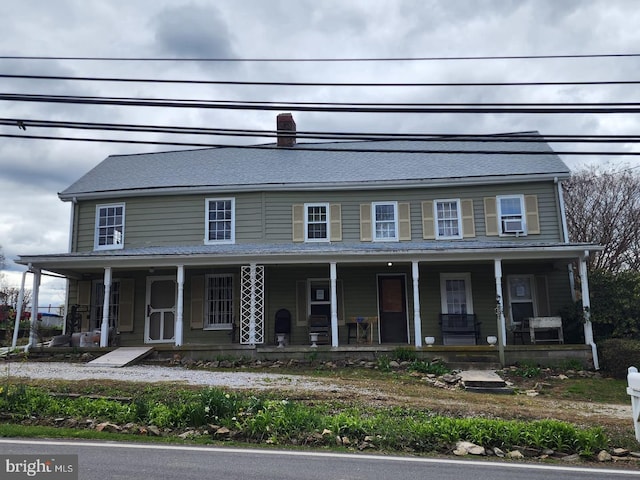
column 318, row 84
column 530, row 108
column 352, row 59
column 319, row 148
column 23, row 123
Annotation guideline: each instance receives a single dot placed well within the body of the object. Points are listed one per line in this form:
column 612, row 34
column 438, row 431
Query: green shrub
column 615, row 304
column 404, row 354
column 617, row 354
column 422, row 366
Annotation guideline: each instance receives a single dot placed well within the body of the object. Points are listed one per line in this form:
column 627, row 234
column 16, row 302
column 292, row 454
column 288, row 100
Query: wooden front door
column 392, row 307
column 161, row 309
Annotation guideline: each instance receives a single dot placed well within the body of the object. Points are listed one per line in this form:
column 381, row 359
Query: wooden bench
column 459, row 328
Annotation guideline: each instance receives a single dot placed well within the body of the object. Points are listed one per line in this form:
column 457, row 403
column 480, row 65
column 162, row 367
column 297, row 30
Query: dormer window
column 511, row 215
column 109, row 232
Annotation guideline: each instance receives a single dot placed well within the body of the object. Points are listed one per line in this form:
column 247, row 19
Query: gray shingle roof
column 343, row 166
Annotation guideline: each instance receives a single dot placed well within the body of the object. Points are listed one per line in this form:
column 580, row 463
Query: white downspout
column 417, row 321
column 334, row 303
column 563, row 213
column 586, row 308
column 16, row 326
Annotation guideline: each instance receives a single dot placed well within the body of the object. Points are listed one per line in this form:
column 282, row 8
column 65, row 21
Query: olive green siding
column 266, row 217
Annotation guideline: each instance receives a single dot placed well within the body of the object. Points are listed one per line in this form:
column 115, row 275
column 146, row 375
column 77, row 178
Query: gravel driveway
column 155, row 373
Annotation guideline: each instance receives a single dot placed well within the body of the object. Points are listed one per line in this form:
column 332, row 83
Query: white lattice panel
column 252, row 304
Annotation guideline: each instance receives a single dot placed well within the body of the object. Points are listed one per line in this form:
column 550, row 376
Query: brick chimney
column 286, row 130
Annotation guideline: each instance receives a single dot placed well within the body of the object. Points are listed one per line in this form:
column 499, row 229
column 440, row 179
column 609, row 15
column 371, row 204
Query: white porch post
column 417, row 321
column 180, row 307
column 16, row 326
column 104, row 327
column 586, row 308
column 334, row 305
column 502, row 328
column 33, row 338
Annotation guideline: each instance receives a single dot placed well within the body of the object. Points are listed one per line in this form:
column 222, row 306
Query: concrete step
column 121, row 357
column 484, row 381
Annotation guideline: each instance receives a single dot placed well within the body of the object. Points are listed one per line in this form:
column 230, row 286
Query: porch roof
column 285, row 253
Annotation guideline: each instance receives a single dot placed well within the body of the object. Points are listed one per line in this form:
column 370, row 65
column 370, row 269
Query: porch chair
column 320, row 324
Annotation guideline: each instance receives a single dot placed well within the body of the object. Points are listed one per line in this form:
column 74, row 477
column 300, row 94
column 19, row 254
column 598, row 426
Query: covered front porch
column 398, row 296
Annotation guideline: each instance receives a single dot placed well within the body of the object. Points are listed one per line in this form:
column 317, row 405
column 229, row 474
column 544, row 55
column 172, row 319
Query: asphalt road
column 110, row 460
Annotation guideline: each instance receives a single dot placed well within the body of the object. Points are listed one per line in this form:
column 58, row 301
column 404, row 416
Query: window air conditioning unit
column 512, row 226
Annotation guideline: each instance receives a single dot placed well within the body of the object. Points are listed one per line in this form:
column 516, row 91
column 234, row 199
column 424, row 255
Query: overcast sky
column 32, row 218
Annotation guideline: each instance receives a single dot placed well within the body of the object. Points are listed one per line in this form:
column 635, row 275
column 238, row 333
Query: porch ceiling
column 74, row 264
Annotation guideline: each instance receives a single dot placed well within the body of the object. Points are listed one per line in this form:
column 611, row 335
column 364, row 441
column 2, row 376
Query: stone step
column 484, row 381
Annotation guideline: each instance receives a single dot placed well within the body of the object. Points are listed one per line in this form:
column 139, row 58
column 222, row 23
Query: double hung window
column 220, row 221
column 385, row 218
column 219, row 301
column 109, row 232
column 511, row 215
column 316, row 222
column 448, row 220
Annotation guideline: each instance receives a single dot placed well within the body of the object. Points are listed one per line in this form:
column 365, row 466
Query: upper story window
column 316, row 222
column 220, row 220
column 448, row 219
column 385, row 221
column 109, row 232
column 511, row 215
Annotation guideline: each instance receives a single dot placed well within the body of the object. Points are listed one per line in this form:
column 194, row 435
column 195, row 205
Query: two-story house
column 453, row 239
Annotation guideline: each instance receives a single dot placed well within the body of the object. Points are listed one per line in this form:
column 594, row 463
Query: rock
column 222, row 431
column 571, row 458
column 346, row 441
column 635, row 454
column 448, row 378
column 620, row 452
column 108, row 427
column 562, row 377
column 498, row 452
column 369, row 438
column 515, row 454
column 188, row 434
column 464, row 448
column 394, row 364
column 548, row 451
column 326, row 431
column 153, row 430
column 532, row 393
column 604, row 456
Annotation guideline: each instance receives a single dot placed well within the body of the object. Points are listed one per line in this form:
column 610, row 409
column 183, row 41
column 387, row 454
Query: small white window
column 385, row 221
column 316, row 222
column 109, row 227
column 448, row 219
column 220, row 220
column 219, row 308
column 511, row 215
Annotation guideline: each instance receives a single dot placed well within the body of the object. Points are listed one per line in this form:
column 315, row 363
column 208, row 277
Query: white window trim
column 443, row 290
column 218, row 326
column 115, row 246
column 306, row 222
column 206, row 220
column 523, row 215
column 436, row 219
column 374, row 222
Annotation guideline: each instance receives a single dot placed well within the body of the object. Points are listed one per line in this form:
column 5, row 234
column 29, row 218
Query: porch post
column 16, row 327
column 334, row 305
column 180, row 307
column 417, row 321
column 104, row 328
column 33, row 338
column 502, row 329
column 586, row 308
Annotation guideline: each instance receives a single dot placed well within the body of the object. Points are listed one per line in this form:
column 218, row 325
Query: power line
column 317, row 148
column 359, row 136
column 319, row 84
column 453, row 108
column 352, row 59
